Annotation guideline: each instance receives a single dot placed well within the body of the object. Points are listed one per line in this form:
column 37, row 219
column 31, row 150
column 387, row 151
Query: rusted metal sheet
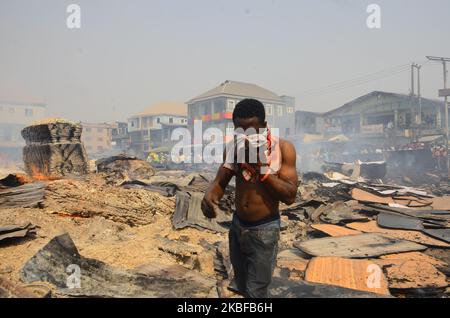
column 400, row 222
column 357, row 246
column 415, row 274
column 440, row 234
column 360, row 275
column 334, row 230
column 188, row 212
column 9, row 232
column 414, row 236
column 286, row 288
column 365, row 196
column 424, row 214
column 27, row 195
column 441, row 203
column 410, row 256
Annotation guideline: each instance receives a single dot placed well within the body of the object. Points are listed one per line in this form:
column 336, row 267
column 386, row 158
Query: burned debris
column 16, row 191
column 54, row 149
column 14, row 232
column 53, row 261
column 122, row 168
column 188, row 213
column 137, row 231
column 337, row 229
column 8, row 289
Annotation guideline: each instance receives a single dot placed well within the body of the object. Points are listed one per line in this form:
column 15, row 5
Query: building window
column 99, row 130
column 28, row 112
column 100, row 139
column 171, row 120
column 269, row 110
column 88, row 129
column 158, row 120
column 280, row 110
column 290, row 110
column 288, row 132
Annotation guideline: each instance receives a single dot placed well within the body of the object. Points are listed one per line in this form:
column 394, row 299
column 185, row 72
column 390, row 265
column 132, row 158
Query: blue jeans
column 253, row 253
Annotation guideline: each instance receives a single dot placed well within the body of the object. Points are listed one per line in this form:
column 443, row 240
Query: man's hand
column 215, row 192
column 210, row 207
column 284, row 185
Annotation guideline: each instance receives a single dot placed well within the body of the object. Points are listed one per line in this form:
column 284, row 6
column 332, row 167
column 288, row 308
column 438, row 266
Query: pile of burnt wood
column 54, row 149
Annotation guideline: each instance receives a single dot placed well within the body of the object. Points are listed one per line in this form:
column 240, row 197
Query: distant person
column 255, row 230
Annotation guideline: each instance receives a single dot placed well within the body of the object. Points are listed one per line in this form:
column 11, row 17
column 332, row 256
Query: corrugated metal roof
column 348, row 273
column 348, row 106
column 169, row 108
column 239, row 89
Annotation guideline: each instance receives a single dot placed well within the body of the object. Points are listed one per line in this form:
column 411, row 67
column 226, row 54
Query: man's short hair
column 249, row 108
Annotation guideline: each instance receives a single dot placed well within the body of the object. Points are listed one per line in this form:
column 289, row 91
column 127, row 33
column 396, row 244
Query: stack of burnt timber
column 54, row 149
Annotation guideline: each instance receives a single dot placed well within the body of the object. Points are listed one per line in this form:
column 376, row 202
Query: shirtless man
column 255, row 230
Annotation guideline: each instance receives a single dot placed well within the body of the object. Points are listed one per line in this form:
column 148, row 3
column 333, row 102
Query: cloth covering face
column 271, row 155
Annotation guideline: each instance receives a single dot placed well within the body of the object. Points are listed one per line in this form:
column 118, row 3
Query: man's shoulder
column 287, row 151
column 286, row 145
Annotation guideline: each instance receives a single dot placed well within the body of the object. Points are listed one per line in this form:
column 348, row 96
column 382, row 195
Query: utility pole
column 444, row 61
column 416, row 119
column 419, row 95
column 411, row 98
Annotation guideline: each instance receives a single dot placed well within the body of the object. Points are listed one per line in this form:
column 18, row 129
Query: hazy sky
column 130, row 54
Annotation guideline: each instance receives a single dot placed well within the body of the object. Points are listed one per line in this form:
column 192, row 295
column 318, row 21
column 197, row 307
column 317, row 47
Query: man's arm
column 284, row 185
column 215, row 192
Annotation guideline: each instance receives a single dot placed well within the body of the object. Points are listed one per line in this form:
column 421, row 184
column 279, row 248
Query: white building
column 152, row 127
column 14, row 116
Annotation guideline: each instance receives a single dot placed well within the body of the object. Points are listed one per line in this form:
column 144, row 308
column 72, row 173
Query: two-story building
column 377, row 115
column 386, row 115
column 120, row 137
column 97, row 138
column 14, row 116
column 153, row 127
column 215, row 107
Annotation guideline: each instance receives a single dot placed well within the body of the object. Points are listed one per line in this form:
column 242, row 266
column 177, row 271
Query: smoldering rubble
column 126, row 229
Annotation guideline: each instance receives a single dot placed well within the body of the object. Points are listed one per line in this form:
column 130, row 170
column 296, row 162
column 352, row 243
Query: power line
column 354, row 83
column 357, row 78
column 361, row 80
